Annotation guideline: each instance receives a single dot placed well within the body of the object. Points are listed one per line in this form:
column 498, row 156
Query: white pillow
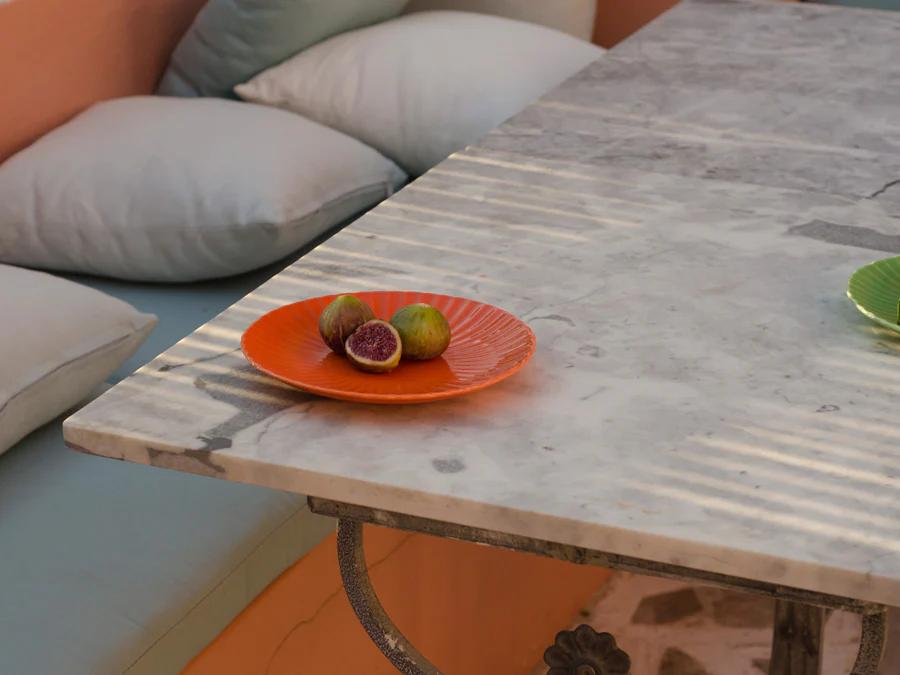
column 424, row 85
column 173, row 189
column 58, row 341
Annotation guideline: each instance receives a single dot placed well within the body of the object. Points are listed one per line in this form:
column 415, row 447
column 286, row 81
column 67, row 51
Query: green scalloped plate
column 875, row 290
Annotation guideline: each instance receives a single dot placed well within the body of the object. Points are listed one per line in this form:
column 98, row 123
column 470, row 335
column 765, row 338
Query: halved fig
column 374, row 347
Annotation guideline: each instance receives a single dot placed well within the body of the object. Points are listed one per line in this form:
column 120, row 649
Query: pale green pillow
column 230, row 41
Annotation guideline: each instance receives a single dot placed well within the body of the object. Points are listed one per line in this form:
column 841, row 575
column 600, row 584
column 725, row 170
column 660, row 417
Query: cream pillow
column 575, row 17
column 424, row 85
column 174, row 189
column 58, row 341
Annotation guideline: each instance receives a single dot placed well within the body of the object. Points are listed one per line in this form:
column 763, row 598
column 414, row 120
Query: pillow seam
column 107, row 345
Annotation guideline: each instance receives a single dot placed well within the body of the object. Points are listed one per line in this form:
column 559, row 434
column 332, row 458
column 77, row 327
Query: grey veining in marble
column 677, row 224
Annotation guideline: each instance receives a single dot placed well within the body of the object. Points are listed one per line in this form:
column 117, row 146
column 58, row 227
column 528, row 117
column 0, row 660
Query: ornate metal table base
column 796, row 645
column 584, row 651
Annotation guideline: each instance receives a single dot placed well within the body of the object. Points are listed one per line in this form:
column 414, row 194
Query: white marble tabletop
column 677, row 224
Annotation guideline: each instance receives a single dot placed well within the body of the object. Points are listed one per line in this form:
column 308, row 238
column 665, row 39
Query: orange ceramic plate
column 487, row 346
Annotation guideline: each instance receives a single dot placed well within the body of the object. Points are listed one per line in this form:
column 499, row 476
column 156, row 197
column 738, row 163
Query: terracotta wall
column 59, row 56
column 617, row 19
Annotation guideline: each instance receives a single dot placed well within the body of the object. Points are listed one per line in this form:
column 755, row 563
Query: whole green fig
column 423, row 330
column 340, row 318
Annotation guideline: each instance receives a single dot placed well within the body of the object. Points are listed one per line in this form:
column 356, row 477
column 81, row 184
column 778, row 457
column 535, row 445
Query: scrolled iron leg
column 797, row 640
column 584, row 651
column 386, row 636
column 871, row 643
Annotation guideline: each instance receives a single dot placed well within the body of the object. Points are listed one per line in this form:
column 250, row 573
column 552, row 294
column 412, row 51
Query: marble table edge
column 607, row 539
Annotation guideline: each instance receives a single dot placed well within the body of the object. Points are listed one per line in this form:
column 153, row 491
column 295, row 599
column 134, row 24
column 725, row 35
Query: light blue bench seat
column 108, row 567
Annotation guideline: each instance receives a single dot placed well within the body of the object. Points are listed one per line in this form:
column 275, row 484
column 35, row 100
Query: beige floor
column 673, row 628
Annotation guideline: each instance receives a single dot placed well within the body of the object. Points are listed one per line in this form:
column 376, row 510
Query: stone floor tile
column 667, row 607
column 676, row 662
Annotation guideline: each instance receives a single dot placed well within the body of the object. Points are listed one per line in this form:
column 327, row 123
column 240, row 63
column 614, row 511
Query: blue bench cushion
column 181, row 308
column 108, row 567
